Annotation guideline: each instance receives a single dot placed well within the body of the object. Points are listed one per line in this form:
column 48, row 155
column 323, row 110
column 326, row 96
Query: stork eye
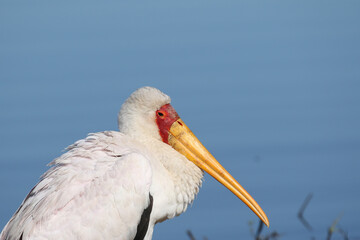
column 161, row 114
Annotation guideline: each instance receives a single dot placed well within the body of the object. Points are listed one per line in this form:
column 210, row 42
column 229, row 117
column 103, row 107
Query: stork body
column 113, row 185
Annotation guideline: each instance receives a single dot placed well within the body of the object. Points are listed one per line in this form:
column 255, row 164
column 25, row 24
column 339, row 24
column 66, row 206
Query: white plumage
column 101, row 186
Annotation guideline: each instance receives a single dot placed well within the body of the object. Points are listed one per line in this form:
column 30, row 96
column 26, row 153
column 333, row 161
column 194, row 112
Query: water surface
column 271, row 88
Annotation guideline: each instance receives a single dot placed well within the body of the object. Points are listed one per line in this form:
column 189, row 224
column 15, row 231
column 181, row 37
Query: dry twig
column 302, row 210
column 190, row 235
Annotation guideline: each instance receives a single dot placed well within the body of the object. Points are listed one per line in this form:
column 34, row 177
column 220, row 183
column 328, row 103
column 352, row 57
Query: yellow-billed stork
column 118, row 185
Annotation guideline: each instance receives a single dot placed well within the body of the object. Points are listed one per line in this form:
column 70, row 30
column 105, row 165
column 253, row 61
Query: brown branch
column 258, row 231
column 190, row 235
column 344, row 234
column 333, row 227
column 302, row 210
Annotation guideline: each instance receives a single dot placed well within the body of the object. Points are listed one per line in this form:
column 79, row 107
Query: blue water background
column 271, row 88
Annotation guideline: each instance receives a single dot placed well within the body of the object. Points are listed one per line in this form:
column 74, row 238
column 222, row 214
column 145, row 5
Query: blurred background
column 271, row 88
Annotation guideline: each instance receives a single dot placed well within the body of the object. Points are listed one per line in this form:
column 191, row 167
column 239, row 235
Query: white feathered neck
column 137, row 119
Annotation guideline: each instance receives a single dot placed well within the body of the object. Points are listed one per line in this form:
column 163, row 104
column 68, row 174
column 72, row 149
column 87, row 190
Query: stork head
column 148, row 113
column 137, row 115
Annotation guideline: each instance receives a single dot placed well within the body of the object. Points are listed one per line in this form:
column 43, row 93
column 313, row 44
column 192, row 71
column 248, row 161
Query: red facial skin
column 165, row 117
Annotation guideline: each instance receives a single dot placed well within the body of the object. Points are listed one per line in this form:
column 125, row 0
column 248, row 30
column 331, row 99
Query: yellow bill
column 184, row 141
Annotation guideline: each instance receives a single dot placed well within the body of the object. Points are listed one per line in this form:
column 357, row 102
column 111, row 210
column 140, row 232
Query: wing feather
column 98, row 189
